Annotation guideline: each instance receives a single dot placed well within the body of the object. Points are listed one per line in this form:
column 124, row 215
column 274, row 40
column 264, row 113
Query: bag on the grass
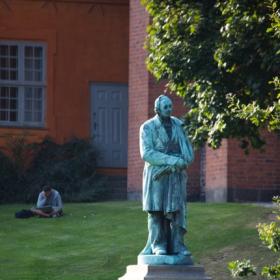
column 24, row 214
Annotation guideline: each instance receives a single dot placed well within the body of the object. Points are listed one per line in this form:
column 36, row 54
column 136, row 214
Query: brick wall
column 138, row 95
column 231, row 175
column 216, row 173
column 254, row 177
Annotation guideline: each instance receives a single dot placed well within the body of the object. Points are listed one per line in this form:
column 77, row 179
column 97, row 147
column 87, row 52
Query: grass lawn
column 97, row 241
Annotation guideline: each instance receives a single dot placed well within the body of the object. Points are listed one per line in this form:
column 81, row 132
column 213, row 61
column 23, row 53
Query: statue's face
column 165, row 108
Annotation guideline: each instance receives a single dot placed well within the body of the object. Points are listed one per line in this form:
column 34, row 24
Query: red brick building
column 76, row 68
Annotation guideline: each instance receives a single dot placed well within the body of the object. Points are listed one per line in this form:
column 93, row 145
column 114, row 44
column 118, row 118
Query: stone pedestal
column 164, row 272
column 165, row 259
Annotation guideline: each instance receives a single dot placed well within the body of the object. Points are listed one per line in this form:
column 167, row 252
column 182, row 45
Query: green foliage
column 271, row 272
column 69, row 167
column 20, row 151
column 9, row 176
column 270, row 236
column 270, row 233
column 241, row 268
column 223, row 58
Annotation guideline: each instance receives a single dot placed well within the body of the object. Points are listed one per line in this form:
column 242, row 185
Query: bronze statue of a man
column 167, row 152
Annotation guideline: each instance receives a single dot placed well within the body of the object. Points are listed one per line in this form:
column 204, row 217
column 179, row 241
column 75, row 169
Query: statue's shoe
column 159, row 251
column 184, row 252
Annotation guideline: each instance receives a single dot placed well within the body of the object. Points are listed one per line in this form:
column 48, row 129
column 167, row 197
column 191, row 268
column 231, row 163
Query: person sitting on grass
column 49, row 203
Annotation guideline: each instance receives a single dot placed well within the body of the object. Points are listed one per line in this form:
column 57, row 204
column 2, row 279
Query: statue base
column 165, row 259
column 164, row 272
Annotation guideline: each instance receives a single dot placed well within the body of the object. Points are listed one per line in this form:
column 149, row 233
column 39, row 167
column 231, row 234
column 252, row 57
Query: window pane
column 13, row 104
column 3, row 50
column 28, row 75
column 4, row 91
column 13, row 116
column 27, row 116
column 8, row 92
column 4, row 75
column 3, row 116
column 13, row 50
column 13, row 92
column 3, row 103
column 28, row 51
column 4, row 63
column 33, row 64
column 8, row 62
column 13, row 63
column 38, row 76
column 38, row 105
column 28, row 92
column 28, row 63
column 33, row 104
column 38, row 117
column 8, row 104
column 38, row 93
column 13, row 75
column 38, row 51
column 38, row 64
column 28, row 104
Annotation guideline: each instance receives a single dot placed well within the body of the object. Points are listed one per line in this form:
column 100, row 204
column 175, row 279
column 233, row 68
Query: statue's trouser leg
column 156, row 232
column 167, row 231
column 177, row 236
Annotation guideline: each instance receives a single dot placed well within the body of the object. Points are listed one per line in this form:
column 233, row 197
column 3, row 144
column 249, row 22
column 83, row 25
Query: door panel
column 109, row 123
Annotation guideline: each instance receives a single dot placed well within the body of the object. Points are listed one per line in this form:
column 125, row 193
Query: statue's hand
column 165, row 170
column 181, row 164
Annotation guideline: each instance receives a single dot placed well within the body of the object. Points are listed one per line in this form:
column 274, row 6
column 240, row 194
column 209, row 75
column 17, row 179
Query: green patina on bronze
column 167, row 152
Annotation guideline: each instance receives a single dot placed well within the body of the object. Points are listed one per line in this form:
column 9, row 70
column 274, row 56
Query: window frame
column 21, row 83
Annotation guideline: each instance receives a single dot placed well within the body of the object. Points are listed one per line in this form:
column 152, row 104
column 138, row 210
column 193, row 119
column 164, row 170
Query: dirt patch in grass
column 272, row 217
column 216, row 264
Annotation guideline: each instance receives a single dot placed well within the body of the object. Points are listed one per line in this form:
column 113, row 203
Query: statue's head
column 163, row 106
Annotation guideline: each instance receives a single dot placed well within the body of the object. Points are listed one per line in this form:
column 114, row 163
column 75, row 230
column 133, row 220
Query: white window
column 22, row 83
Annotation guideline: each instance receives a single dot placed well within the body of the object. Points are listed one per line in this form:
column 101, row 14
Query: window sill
column 31, row 127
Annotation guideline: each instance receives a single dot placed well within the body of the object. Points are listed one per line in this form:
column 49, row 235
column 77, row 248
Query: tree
column 223, row 58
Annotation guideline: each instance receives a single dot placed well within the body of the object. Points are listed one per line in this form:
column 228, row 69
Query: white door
column 109, row 123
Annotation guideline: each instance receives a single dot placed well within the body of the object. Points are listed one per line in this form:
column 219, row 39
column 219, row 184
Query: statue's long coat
column 168, row 194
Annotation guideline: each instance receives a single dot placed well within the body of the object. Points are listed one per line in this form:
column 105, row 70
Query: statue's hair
column 157, row 102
